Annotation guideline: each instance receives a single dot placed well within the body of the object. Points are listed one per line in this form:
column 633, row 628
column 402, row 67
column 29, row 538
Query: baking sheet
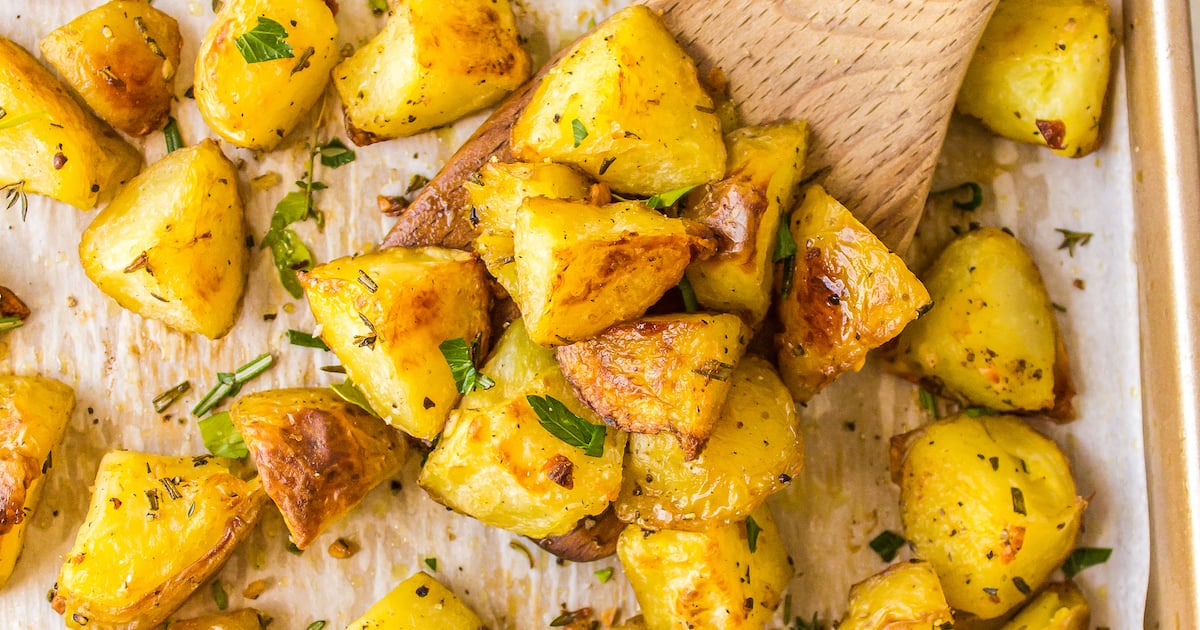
column 118, row 362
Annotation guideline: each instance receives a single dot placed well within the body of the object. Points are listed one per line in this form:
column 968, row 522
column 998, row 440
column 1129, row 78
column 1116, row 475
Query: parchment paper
column 117, row 362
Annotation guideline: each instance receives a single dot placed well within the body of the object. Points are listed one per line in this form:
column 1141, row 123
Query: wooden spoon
column 876, row 79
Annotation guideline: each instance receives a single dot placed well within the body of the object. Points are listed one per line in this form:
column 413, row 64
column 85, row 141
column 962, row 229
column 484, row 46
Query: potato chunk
column 317, row 454
column 992, row 336
column 625, row 105
column 384, row 314
column 725, row 577
column 34, row 413
column 172, row 245
column 582, row 268
column 744, row 210
column 122, row 58
column 434, row 62
column 255, row 101
column 1040, row 73
column 668, row 373
column 905, row 596
column 157, row 528
column 496, row 462
column 754, row 450
column 419, row 603
column 48, row 142
column 849, row 295
column 244, row 619
column 1061, row 606
column 990, row 503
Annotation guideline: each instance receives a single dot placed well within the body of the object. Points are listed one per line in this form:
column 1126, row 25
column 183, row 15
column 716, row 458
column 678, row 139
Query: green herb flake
column 353, row 395
column 752, row 531
column 668, row 199
column 1083, row 558
column 785, row 245
column 10, row 323
column 604, row 575
column 431, row 563
column 690, row 303
column 1073, row 239
column 1018, row 501
column 221, row 438
column 378, row 7
column 975, row 412
column 14, row 195
column 264, row 42
column 887, row 544
column 334, row 154
column 970, row 204
column 461, row 357
column 563, row 424
column 293, row 549
column 171, row 135
column 813, row 624
column 19, row 119
column 219, row 596
column 228, row 384
column 305, row 340
column 316, row 625
column 579, row 131
column 929, row 403
column 788, row 276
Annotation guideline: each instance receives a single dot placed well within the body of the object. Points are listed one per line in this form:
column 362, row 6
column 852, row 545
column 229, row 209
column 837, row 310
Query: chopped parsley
column 669, row 198
column 461, row 358
column 378, row 7
column 219, row 595
column 752, row 532
column 604, row 575
column 305, row 340
column 563, row 424
column 690, row 304
column 887, row 544
column 171, row 135
column 1083, row 558
column 353, row 395
column 431, row 563
column 335, row 153
column 579, row 131
column 264, row 42
column 221, row 438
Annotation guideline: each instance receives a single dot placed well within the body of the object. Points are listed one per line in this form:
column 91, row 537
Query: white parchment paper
column 117, row 362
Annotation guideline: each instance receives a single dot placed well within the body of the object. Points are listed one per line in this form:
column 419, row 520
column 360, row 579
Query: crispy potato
column 157, row 528
column 172, row 245
column 990, row 503
column 34, row 413
column 496, row 462
column 434, row 62
column 11, row 305
column 626, row 106
column 419, row 603
column 317, row 454
column 244, row 619
column 744, row 210
column 583, row 268
column 121, row 57
column 1061, row 606
column 1040, row 73
column 48, row 142
column 668, row 373
column 255, row 105
column 905, row 596
column 992, row 337
column 708, row 579
column 849, row 295
column 755, row 450
column 388, row 337
column 594, row 538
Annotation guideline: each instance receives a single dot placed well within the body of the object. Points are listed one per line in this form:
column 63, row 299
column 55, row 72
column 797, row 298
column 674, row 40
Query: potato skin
column 122, row 58
column 64, row 152
column 990, row 503
column 132, row 565
column 172, row 245
column 594, row 538
column 419, row 603
column 317, row 454
column 905, row 596
column 244, row 619
column 1061, row 606
column 255, row 105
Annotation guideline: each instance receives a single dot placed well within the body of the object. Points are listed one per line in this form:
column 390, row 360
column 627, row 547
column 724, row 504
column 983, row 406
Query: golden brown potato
column 990, row 503
column 725, row 577
column 905, row 596
column 755, row 450
column 172, row 245
column 1040, row 73
column 991, row 338
column 668, row 373
column 157, row 528
column 317, row 454
column 244, row 619
column 625, row 105
column 419, row 603
column 583, row 268
column 594, row 538
column 496, row 461
column 744, row 210
column 849, row 295
column 48, row 144
column 434, row 62
column 384, row 314
column 34, row 413
column 1061, row 606
column 253, row 100
column 121, row 57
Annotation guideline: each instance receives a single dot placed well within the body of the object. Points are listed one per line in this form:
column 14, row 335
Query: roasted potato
column 254, row 99
column 668, row 373
column 849, row 295
column 317, row 454
column 122, row 58
column 384, row 314
column 755, row 449
column 497, row 462
column 593, row 538
column 905, row 596
column 419, row 603
column 625, row 105
column 244, row 619
column 48, row 144
column 157, row 528
column 434, row 62
column 990, row 503
column 725, row 577
column 583, row 268
column 172, row 245
column 1040, row 73
column 764, row 165
column 991, row 338
column 1059, row 607
column 34, row 413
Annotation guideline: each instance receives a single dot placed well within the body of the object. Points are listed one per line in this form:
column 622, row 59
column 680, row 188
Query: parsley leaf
column 690, row 303
column 1073, row 239
column 461, row 358
column 221, row 438
column 305, row 340
column 291, row 255
column 568, row 427
column 171, row 135
column 353, row 395
column 264, row 42
column 431, row 563
column 1083, row 558
column 580, row 132
column 604, row 575
column 667, row 199
column 334, row 154
column 887, row 544
column 785, row 245
column 752, row 532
